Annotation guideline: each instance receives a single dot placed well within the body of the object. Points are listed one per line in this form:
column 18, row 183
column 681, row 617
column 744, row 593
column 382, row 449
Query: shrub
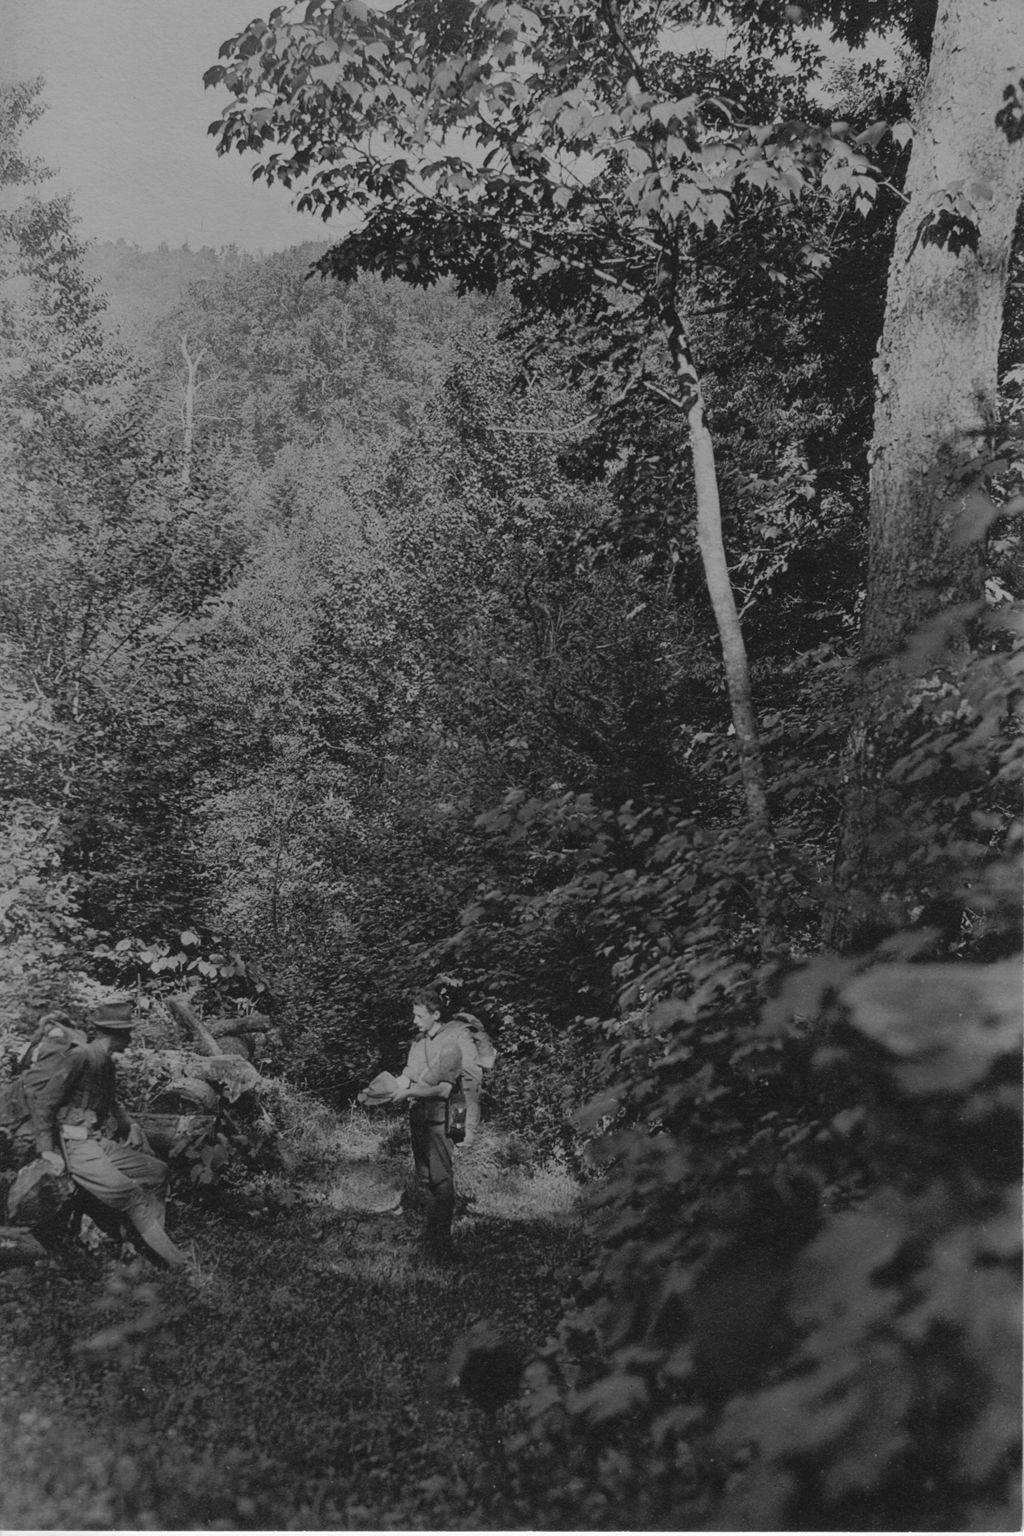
column 804, row 1306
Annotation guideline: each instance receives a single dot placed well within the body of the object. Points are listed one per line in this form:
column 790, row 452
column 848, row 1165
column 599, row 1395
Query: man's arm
column 425, row 1091
column 122, row 1118
column 437, row 1082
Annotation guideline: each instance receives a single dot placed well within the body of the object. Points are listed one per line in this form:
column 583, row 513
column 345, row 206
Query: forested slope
column 403, row 644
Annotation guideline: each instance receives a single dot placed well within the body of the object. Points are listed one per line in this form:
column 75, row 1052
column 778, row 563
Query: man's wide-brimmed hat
column 380, row 1091
column 116, row 1015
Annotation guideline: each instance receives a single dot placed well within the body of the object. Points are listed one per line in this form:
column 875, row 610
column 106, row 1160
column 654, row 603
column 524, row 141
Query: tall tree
column 582, row 154
column 936, row 398
column 576, row 153
column 934, row 454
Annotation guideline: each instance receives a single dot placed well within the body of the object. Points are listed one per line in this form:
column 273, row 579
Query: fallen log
column 242, row 1024
column 185, row 1096
column 181, row 1012
column 231, row 1074
column 164, row 1132
column 233, row 1045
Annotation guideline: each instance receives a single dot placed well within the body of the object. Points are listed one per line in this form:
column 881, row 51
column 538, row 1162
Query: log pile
column 167, row 1132
column 249, row 1036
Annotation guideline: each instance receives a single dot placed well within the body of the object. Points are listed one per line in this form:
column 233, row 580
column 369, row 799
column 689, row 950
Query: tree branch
column 614, row 20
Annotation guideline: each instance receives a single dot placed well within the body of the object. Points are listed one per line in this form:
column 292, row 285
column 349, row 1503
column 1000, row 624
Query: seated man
column 77, row 1109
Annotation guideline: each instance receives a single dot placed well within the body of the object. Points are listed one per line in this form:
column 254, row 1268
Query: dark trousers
column 432, row 1161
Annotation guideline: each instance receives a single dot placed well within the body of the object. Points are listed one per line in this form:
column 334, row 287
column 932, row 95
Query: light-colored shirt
column 435, row 1059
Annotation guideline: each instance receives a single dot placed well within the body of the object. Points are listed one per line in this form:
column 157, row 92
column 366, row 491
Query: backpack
column 13, row 1107
column 456, row 1106
column 35, row 1065
column 468, row 1023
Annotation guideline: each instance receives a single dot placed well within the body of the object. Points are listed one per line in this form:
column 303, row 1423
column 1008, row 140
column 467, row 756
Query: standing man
column 79, row 1124
column 431, row 1071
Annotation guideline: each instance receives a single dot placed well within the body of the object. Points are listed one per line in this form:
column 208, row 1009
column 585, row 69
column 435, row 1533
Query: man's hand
column 136, row 1135
column 53, row 1160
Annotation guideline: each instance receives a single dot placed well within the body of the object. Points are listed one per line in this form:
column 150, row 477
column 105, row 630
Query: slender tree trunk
column 716, row 568
column 723, row 602
column 705, row 474
column 188, row 410
column 936, row 368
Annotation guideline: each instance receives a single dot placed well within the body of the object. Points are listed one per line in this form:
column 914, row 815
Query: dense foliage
column 400, row 660
column 817, row 1189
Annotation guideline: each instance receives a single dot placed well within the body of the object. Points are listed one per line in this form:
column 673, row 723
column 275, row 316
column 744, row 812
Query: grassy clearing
column 295, row 1382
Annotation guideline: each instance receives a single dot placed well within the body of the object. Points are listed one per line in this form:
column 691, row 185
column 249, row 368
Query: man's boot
column 157, row 1241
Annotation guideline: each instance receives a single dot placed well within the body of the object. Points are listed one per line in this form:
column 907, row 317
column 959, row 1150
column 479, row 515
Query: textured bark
column 936, row 369
column 935, row 409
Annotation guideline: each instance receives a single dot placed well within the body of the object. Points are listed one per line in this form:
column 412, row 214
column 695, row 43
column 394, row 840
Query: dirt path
column 295, row 1383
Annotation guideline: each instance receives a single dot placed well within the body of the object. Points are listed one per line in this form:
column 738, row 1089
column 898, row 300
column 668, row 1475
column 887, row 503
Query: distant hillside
column 298, row 379
column 144, row 286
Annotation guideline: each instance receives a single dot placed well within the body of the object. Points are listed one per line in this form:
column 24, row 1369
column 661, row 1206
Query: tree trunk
column 723, row 602
column 712, row 553
column 934, row 413
column 188, row 409
column 936, row 368
column 705, row 475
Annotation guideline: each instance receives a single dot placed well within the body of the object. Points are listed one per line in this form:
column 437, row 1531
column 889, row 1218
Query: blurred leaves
column 947, row 1024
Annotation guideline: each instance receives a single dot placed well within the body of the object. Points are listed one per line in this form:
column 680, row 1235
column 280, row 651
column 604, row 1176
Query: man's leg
column 143, row 1168
column 107, row 1171
column 441, row 1207
column 420, row 1140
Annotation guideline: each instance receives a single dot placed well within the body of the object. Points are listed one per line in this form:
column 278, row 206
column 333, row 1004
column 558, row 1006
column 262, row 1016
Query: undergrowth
column 295, row 1380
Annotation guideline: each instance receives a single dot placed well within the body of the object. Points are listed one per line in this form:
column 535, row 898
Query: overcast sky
column 127, row 117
